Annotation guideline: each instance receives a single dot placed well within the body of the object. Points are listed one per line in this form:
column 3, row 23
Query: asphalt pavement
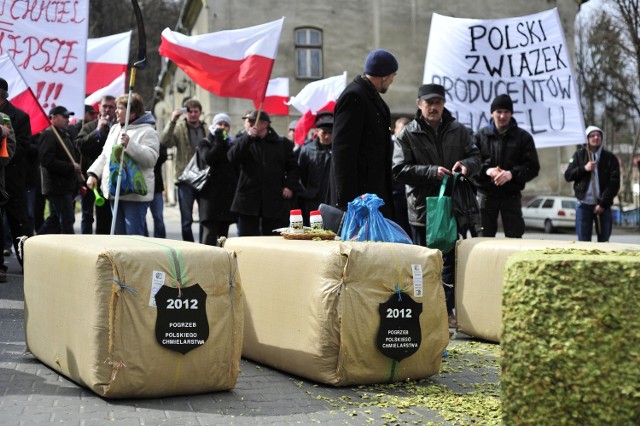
column 467, row 390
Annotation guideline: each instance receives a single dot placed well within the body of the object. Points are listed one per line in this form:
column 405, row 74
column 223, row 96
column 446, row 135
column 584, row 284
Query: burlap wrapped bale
column 480, row 266
column 83, row 324
column 311, row 307
column 571, row 338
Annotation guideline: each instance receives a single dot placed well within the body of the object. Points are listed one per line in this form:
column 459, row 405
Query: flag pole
column 64, row 147
column 140, row 63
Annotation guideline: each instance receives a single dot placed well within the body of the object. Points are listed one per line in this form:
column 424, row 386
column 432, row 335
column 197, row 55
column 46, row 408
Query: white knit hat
column 593, row 129
column 220, row 117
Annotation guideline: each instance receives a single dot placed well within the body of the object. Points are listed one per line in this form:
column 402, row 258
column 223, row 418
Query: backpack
column 465, row 205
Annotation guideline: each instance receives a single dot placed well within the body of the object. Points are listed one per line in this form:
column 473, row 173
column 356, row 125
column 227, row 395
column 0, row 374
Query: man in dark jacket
column 90, row 142
column 268, row 176
column 15, row 172
column 431, row 146
column 509, row 161
column 218, row 192
column 361, row 159
column 595, row 173
column 60, row 173
column 315, row 165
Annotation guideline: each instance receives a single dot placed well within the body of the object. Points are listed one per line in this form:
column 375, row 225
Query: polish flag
column 107, row 59
column 318, row 96
column 232, row 63
column 21, row 96
column 115, row 89
column 275, row 101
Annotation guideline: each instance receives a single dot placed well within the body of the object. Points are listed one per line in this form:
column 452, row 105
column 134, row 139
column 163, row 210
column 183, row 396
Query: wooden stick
column 66, row 150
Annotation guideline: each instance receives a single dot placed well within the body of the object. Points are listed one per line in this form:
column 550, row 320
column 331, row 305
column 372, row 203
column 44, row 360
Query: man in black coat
column 90, row 141
column 595, row 173
column 60, row 173
column 15, row 172
column 315, row 164
column 509, row 161
column 361, row 159
column 268, row 177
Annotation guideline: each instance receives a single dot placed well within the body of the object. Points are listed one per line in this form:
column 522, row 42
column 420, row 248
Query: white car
column 550, row 212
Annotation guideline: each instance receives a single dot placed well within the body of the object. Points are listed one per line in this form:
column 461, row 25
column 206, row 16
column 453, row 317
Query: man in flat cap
column 509, row 161
column 432, row 145
column 267, row 179
column 361, row 159
column 315, row 166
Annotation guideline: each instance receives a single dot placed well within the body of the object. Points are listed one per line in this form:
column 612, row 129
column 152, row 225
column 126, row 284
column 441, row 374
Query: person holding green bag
column 140, row 146
column 433, row 145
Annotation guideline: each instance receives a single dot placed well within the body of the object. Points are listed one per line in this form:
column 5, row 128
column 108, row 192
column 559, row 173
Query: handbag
column 132, row 181
column 442, row 232
column 193, row 175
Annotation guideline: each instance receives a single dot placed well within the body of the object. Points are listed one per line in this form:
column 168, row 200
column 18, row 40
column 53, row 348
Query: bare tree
column 116, row 16
column 608, row 65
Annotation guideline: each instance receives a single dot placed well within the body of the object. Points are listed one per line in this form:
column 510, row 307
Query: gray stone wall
column 354, row 27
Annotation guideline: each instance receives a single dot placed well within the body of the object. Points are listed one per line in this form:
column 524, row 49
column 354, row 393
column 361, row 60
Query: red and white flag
column 275, row 100
column 318, row 96
column 22, row 96
column 232, row 63
column 107, row 59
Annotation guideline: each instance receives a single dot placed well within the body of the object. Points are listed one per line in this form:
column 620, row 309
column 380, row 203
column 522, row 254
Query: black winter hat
column 502, row 102
column 4, row 85
column 380, row 63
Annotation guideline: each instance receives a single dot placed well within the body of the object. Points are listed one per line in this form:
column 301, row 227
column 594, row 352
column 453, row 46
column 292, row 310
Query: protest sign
column 525, row 57
column 47, row 42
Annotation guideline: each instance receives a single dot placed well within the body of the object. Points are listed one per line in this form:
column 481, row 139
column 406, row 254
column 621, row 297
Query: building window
column 308, row 53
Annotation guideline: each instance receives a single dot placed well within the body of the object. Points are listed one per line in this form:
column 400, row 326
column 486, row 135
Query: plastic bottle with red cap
column 315, row 220
column 296, row 225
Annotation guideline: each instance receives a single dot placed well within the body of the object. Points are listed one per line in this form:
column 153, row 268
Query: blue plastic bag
column 364, row 222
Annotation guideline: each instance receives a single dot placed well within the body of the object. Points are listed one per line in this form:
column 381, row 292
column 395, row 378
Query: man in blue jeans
column 185, row 130
column 595, row 173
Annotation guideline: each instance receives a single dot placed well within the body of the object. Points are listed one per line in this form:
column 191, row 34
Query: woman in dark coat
column 217, row 194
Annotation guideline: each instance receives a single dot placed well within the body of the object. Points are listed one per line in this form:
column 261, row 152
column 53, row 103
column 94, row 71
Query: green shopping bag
column 442, row 232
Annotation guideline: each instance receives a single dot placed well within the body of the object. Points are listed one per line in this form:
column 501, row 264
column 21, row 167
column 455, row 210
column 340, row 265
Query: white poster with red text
column 47, row 41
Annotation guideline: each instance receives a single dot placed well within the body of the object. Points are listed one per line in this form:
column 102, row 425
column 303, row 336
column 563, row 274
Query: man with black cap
column 15, row 172
column 315, row 166
column 432, row 145
column 509, row 161
column 361, row 160
column 60, row 173
column 268, row 177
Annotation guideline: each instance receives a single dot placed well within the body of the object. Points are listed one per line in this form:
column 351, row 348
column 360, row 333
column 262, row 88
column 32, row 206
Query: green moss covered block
column 571, row 338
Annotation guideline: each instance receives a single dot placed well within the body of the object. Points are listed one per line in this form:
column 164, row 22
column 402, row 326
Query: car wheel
column 548, row 226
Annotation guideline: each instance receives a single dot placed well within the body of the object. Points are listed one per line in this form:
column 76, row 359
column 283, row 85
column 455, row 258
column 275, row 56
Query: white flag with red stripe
column 21, row 96
column 275, row 100
column 318, row 96
column 232, row 63
column 107, row 59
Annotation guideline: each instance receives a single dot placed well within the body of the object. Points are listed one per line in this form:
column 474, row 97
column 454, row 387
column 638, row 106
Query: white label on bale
column 417, row 280
column 157, row 281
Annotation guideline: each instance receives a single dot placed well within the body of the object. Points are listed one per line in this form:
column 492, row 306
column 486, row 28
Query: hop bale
column 571, row 338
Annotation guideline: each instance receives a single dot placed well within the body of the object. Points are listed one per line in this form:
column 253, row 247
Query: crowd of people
column 257, row 176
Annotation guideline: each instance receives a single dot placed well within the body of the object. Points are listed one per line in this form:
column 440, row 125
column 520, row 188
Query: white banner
column 525, row 57
column 47, row 42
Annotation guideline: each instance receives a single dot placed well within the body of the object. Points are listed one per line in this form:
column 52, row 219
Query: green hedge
column 571, row 338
